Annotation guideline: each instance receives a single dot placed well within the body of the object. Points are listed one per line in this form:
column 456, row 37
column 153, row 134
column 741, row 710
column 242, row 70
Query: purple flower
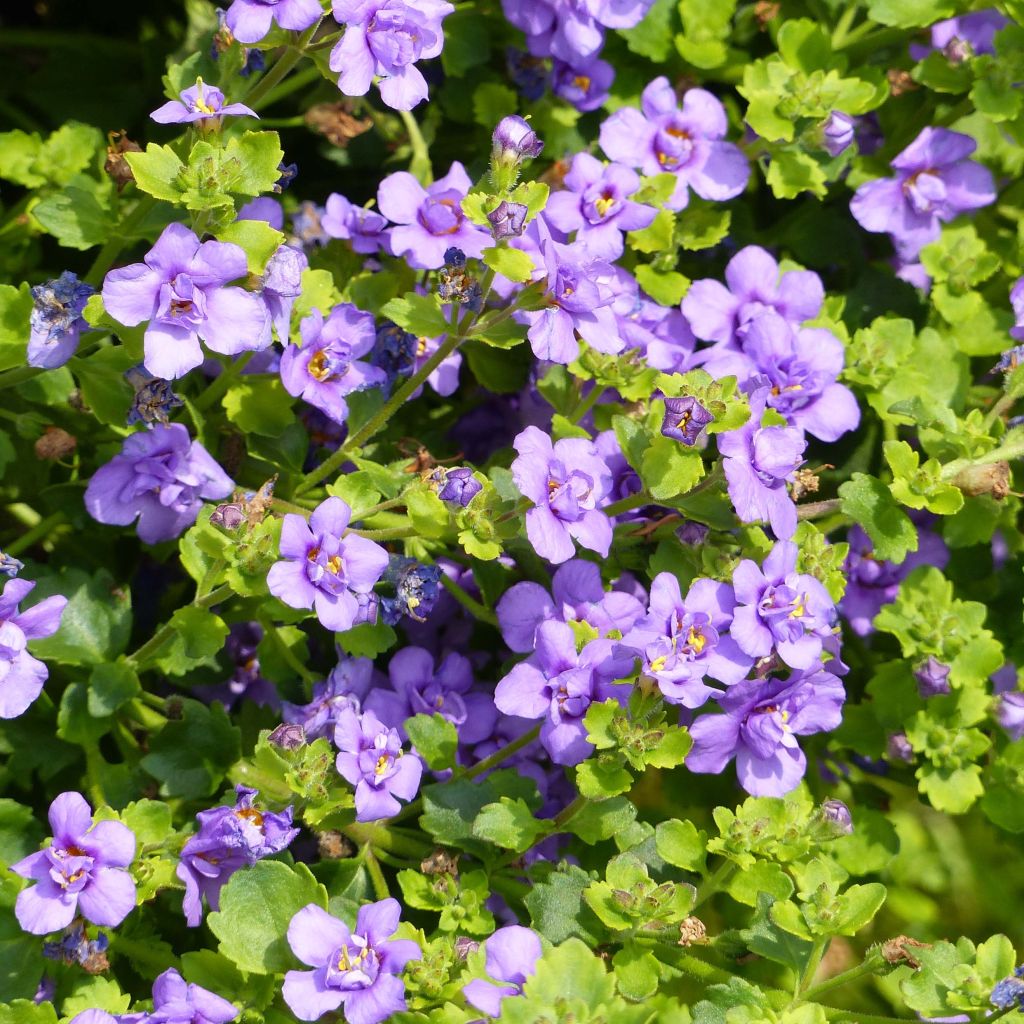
column 9, row 565
column 365, row 230
column 458, row 486
column 719, row 313
column 265, row 208
column 932, row 678
column 177, row 1002
column 324, row 569
column 585, row 84
column 282, row 285
column 935, row 182
column 251, row 20
column 417, row 587
column 566, row 482
column 507, row 220
column 959, row 38
column 680, row 641
column 759, row 727
column 558, row 685
column 1017, row 302
column 80, row 873
column 385, row 38
column 872, row 582
column 418, row 688
column 160, row 477
column 326, row 367
column 685, row 418
column 228, row 838
column 577, row 594
column 513, row 141
column 758, row 462
column 202, row 104
column 307, row 224
column 512, row 954
column 687, row 142
column 358, row 970
column 838, row 132
column 596, row 205
column 246, row 682
column 578, row 300
column 429, row 220
column 21, row 675
column 346, row 687
column 837, row 814
column 373, row 761
column 781, row 609
column 179, row 289
column 56, row 320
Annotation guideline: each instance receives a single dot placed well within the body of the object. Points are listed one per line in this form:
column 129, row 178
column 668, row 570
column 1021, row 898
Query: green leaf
column 671, row 749
column 657, row 236
column 256, row 907
column 111, row 686
column 509, row 824
column 255, row 158
column 707, row 25
column 427, row 513
column 96, row 622
column 25, row 1011
column 15, row 309
column 556, row 906
column 601, row 777
column 871, row 505
column 792, row 172
column 858, row 906
column 259, row 406
column 514, row 264
column 670, row 469
column 636, row 972
column 766, row 939
column 418, row 314
column 763, row 877
column 75, row 217
column 702, row 225
column 190, row 756
column 435, row 739
column 96, row 993
column 910, row 13
column 157, row 170
column 491, row 102
column 197, row 639
column 667, row 287
column 257, row 238
column 367, row 640
column 600, row 820
column 681, row 844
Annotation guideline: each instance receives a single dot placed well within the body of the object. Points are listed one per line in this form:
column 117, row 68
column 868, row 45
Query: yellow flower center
column 319, row 366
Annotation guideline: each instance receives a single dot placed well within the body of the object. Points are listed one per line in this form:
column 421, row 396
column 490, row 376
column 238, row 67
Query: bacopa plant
column 511, row 511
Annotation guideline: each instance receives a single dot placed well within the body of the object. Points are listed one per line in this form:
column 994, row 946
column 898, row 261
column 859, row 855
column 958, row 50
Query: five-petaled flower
column 200, row 104
column 21, row 675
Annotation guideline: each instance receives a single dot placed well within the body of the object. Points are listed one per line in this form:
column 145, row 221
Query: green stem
column 40, row 530
column 139, row 658
column 122, row 236
column 1003, row 405
column 220, row 384
column 394, row 533
column 818, row 509
column 12, row 378
column 873, row 963
column 813, row 963
column 587, row 404
column 566, row 814
column 382, row 506
column 841, row 32
column 715, row 883
column 474, row 607
column 380, row 885
column 270, row 628
column 1004, row 453
column 419, row 164
column 616, row 508
column 856, row 1017
column 282, row 67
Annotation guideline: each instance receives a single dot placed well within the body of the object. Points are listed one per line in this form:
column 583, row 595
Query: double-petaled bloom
column 325, row 568
column 327, row 365
column 356, row 970
column 687, row 141
column 373, row 761
column 558, row 684
column 228, row 838
column 365, row 230
column 567, row 481
column 175, row 1001
column 251, row 20
column 681, row 641
column 935, row 182
column 429, row 221
column 161, row 477
column 385, row 38
column 182, row 290
column 82, row 872
column 21, row 675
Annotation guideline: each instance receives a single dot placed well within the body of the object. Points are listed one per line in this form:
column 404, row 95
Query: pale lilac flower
column 687, row 141
column 513, row 141
column 683, row 640
column 325, row 568
column 346, row 687
column 511, row 954
column 758, row 462
column 202, row 104
column 56, row 321
column 177, row 1002
column 80, row 873
column 265, row 208
column 21, row 675
column 307, row 225
column 355, row 970
column 429, row 221
column 837, row 814
column 596, row 205
column 968, row 35
column 935, row 182
column 371, row 759
column 754, row 285
column 837, row 132
column 566, row 482
column 326, row 366
column 365, row 230
column 1017, row 302
column 932, row 677
column 444, row 378
column 161, row 478
column 251, row 20
column 760, row 726
column 418, row 688
column 228, row 838
column 384, row 38
column 577, row 595
column 780, row 609
column 180, row 289
column 586, row 84
column 558, row 684
column 281, row 286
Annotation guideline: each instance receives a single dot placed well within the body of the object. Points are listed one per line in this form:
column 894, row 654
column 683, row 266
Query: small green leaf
column 434, row 738
column 514, row 264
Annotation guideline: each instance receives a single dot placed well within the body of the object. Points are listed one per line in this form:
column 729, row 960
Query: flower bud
column 288, row 737
column 684, row 419
column 837, row 814
column 837, row 132
column 513, row 142
column 932, row 678
column 507, row 220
